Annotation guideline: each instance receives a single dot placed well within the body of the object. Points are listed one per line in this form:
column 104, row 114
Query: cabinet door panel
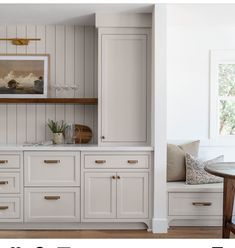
column 132, row 195
column 124, row 88
column 100, row 195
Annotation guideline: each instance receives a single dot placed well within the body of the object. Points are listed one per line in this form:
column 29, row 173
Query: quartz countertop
column 70, row 147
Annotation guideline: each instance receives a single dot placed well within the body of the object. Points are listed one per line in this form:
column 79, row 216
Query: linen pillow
column 176, row 159
column 195, row 173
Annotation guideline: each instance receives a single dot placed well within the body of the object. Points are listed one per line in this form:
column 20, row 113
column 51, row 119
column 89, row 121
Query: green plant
column 57, row 127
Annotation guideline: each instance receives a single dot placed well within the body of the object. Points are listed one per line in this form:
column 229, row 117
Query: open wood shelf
column 85, row 101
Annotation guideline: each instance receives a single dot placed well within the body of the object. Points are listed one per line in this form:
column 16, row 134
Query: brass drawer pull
column 3, row 207
column 3, row 182
column 3, row 161
column 132, row 161
column 51, row 161
column 202, row 203
column 52, row 197
column 100, row 161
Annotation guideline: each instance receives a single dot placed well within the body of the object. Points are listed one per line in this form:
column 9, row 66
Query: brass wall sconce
column 20, row 41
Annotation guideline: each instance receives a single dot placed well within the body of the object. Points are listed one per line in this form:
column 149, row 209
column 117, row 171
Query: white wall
column 72, row 61
column 193, row 30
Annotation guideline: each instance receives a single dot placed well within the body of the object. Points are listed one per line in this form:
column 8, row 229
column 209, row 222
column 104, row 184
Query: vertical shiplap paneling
column 69, row 71
column 3, row 107
column 60, row 69
column 11, row 108
column 40, row 108
column 80, row 72
column 89, row 74
column 51, row 50
column 31, row 108
column 72, row 61
column 21, row 108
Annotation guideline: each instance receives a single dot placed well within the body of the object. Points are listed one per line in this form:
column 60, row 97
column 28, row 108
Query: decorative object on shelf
column 58, row 130
column 83, row 134
column 20, row 41
column 70, row 134
column 23, row 76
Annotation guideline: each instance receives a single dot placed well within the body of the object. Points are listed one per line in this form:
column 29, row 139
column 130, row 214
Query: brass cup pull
column 132, row 161
column 52, row 197
column 3, row 182
column 3, row 207
column 100, row 161
column 113, row 177
column 202, row 203
column 3, row 161
column 51, row 161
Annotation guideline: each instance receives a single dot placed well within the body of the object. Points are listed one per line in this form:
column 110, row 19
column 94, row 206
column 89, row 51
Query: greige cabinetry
column 124, row 88
column 117, row 187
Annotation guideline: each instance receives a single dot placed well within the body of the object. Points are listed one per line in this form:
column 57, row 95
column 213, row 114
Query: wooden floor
column 174, row 232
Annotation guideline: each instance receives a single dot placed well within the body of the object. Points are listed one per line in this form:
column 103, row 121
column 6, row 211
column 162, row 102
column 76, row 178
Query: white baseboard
column 159, row 225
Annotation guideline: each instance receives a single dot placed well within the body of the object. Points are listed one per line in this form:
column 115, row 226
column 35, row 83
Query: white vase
column 58, row 138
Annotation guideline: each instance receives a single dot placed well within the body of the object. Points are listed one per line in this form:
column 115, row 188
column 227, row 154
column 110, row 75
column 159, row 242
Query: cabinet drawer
column 107, row 161
column 11, row 161
column 195, row 204
column 9, row 208
column 52, row 169
column 9, row 183
column 53, row 205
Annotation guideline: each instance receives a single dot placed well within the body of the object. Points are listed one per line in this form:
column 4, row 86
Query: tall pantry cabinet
column 124, row 86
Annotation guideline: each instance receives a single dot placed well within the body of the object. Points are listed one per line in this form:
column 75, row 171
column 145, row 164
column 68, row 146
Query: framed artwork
column 24, row 76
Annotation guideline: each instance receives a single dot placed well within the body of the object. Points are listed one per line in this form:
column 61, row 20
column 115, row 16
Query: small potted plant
column 58, row 129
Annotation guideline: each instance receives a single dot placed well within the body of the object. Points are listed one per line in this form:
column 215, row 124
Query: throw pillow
column 195, row 173
column 176, row 159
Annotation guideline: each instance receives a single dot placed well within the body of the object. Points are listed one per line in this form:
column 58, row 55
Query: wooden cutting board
column 83, row 134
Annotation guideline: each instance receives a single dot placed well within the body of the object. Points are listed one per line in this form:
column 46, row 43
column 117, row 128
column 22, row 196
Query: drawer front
column 9, row 183
column 9, row 161
column 52, row 205
column 9, row 208
column 52, row 169
column 195, row 204
column 107, row 161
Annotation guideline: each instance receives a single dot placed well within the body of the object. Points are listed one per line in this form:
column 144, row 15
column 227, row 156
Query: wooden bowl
column 83, row 134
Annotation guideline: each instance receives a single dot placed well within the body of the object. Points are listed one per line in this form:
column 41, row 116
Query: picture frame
column 24, row 76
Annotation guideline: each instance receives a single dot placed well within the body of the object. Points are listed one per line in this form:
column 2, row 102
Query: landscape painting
column 23, row 76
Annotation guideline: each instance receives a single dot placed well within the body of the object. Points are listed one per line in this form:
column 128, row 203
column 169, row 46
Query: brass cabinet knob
column 118, row 177
column 113, row 177
column 102, row 137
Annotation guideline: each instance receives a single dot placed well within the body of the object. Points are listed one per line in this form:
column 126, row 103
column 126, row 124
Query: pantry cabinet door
column 100, row 196
column 132, row 195
column 124, row 88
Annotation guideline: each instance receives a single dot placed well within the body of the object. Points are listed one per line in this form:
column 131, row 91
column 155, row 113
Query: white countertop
column 70, row 147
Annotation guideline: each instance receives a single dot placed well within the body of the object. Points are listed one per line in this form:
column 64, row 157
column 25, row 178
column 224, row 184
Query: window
column 222, row 121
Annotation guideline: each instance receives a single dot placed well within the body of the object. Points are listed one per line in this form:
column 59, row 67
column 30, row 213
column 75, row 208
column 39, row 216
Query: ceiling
column 82, row 14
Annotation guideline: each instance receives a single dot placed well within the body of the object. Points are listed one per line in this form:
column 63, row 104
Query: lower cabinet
column 110, row 195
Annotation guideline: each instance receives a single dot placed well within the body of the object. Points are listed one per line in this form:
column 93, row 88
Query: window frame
column 218, row 57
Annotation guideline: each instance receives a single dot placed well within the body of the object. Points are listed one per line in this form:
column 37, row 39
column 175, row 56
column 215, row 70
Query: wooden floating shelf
column 84, row 101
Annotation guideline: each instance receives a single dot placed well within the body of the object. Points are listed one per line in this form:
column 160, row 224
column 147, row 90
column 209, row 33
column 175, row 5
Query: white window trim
column 218, row 57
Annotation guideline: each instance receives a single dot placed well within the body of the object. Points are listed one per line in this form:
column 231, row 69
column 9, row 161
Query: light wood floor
column 174, row 232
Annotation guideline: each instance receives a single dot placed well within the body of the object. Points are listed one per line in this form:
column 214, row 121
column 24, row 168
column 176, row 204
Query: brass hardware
column 3, row 207
column 20, row 41
column 202, row 203
column 132, row 161
column 3, row 182
column 118, row 177
column 52, row 197
column 3, row 161
column 100, row 161
column 51, row 161
column 102, row 137
column 113, row 177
